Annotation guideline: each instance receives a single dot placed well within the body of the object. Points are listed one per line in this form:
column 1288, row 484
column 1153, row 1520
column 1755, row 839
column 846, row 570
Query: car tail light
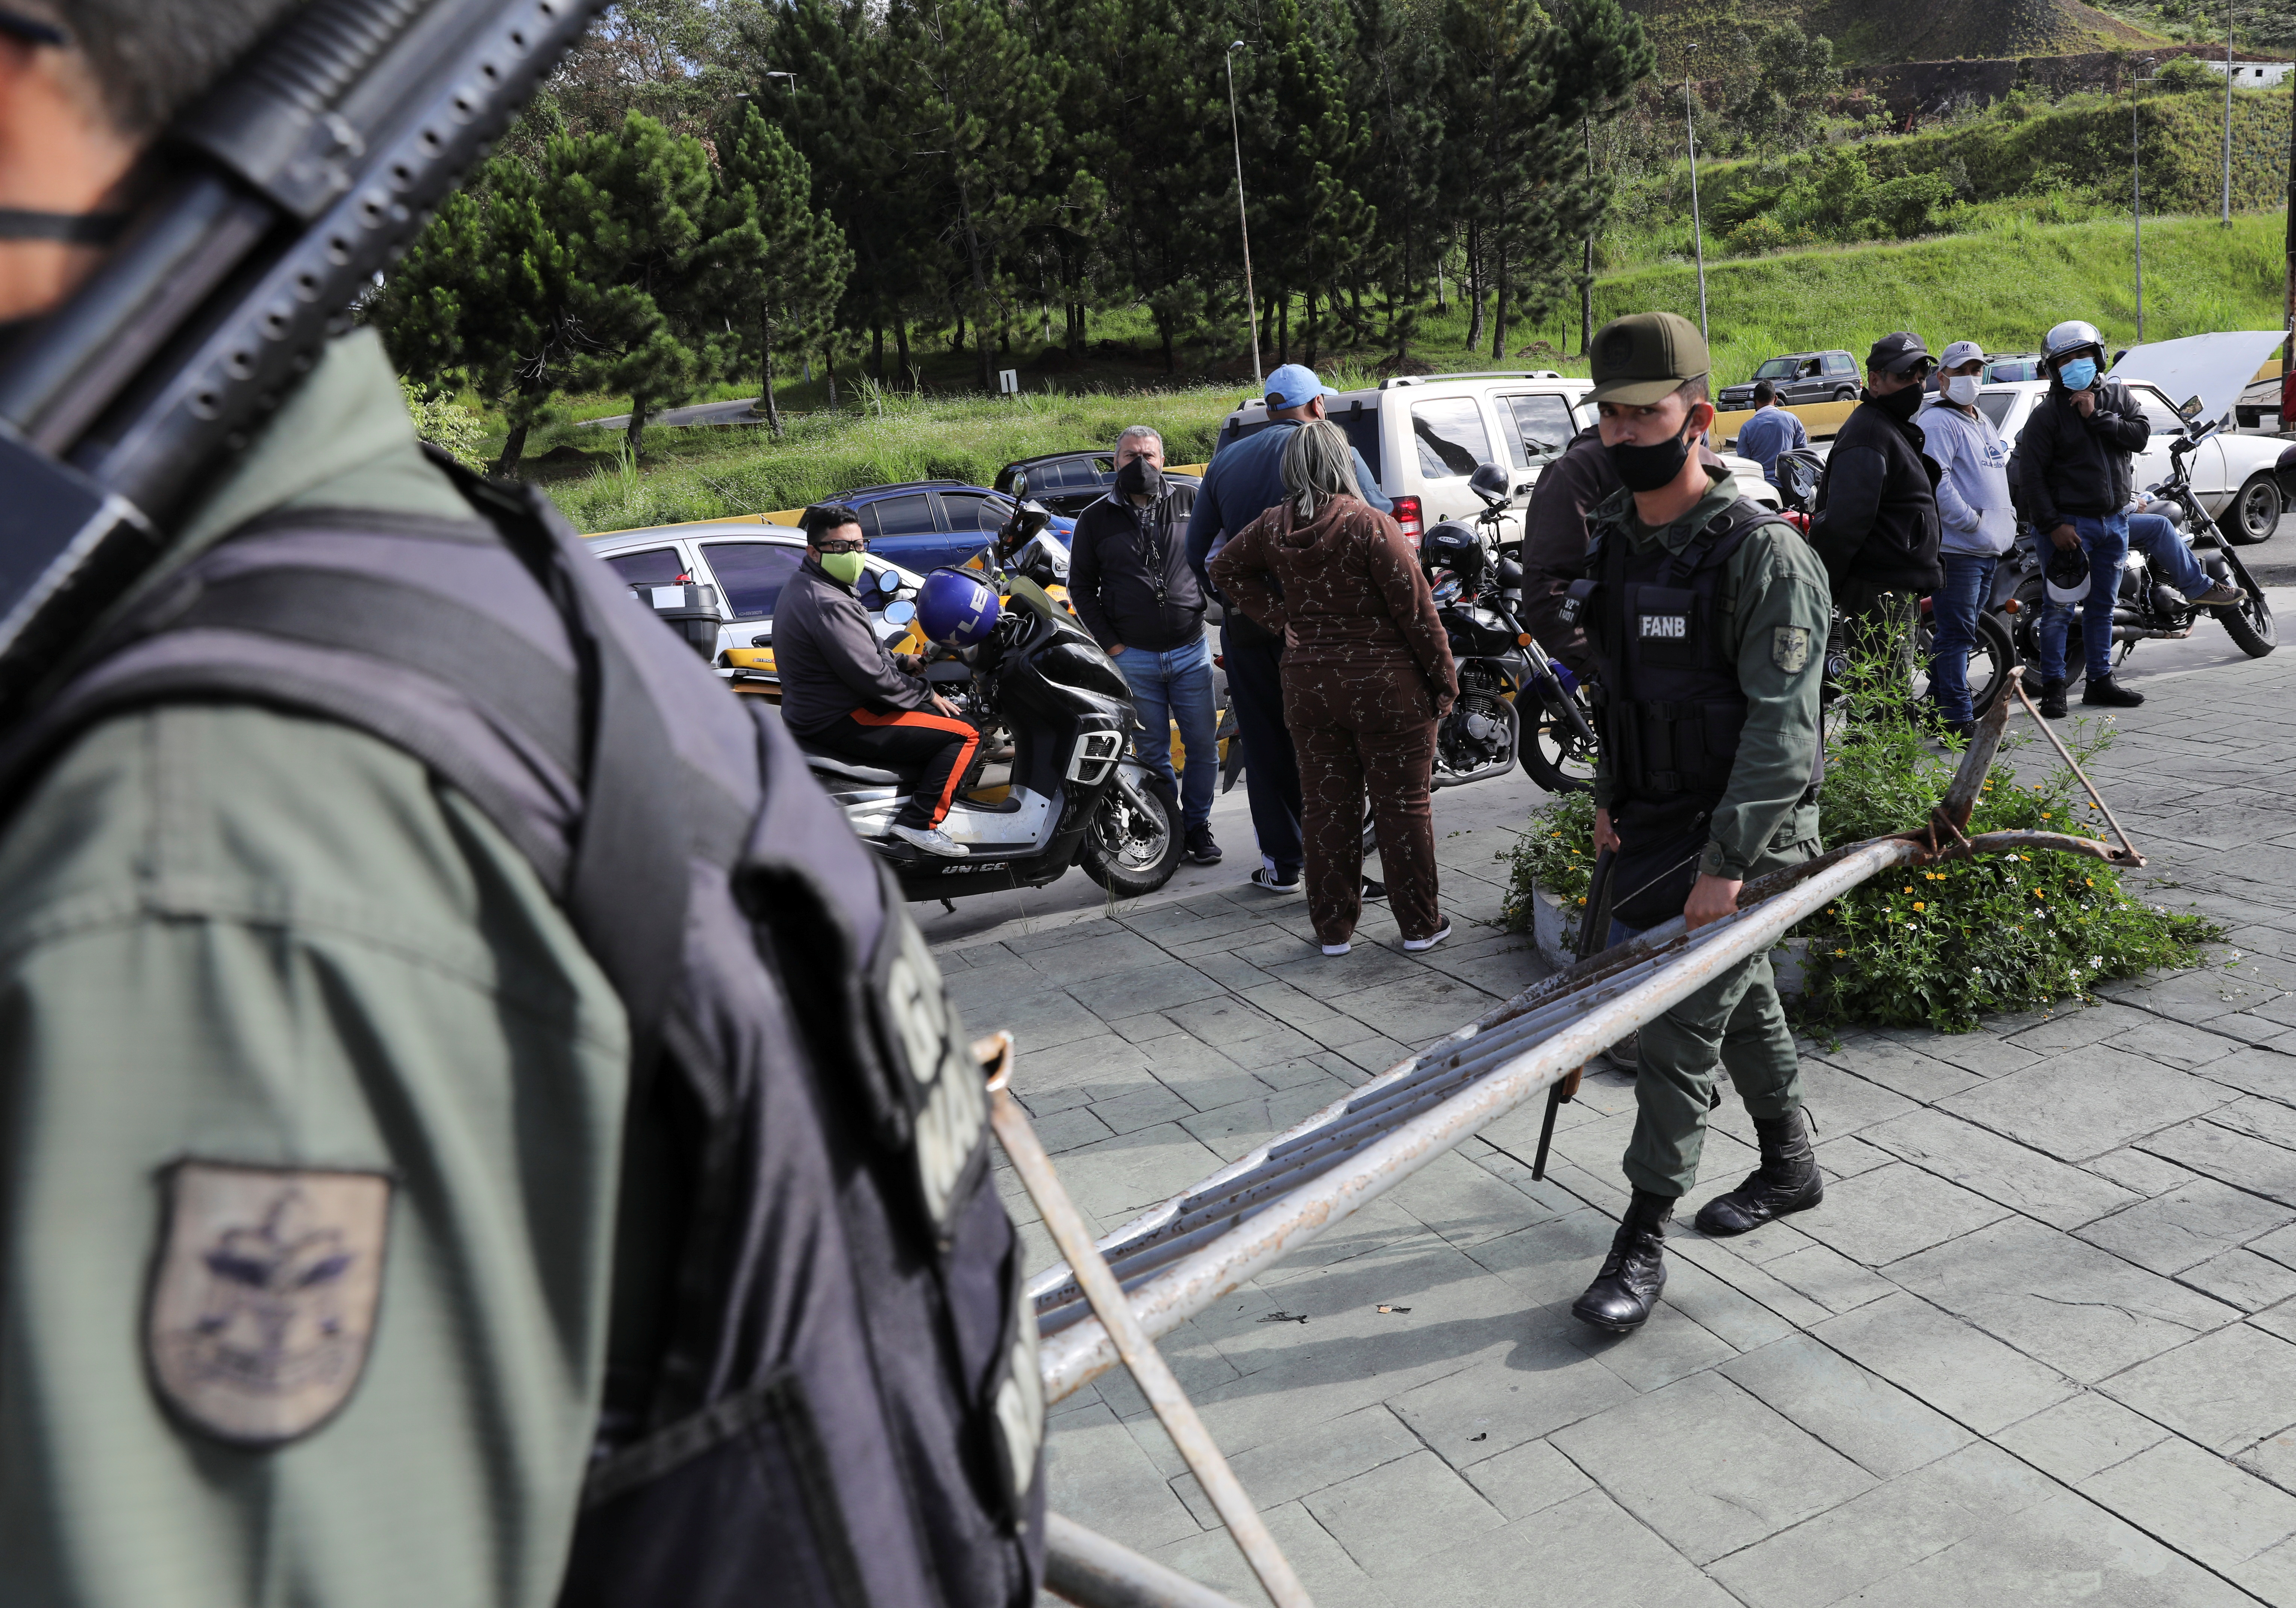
column 1407, row 515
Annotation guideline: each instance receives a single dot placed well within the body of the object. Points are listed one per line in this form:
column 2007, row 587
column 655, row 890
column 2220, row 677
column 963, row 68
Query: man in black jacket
column 1129, row 581
column 1876, row 524
column 844, row 694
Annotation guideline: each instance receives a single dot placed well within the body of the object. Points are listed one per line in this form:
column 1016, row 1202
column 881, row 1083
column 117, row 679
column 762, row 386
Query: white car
column 1423, row 436
column 2244, row 481
column 742, row 565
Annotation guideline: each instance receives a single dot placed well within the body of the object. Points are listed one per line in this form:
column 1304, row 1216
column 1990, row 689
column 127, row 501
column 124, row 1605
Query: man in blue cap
column 1244, row 480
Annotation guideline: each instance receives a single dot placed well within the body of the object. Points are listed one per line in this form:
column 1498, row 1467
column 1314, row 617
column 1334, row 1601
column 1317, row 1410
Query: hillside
column 1872, row 31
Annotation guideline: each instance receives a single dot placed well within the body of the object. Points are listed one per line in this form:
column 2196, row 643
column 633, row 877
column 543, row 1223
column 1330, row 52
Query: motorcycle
column 2147, row 610
column 1053, row 784
column 1479, row 597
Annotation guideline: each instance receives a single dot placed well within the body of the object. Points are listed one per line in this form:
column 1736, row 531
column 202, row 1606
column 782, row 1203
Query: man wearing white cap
column 1245, row 479
column 1976, row 523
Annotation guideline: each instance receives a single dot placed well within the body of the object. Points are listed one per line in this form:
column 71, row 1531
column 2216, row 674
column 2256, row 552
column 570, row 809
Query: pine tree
column 1318, row 223
column 776, row 268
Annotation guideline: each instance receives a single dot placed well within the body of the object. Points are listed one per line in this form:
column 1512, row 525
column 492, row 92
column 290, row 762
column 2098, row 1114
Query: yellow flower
column 1582, row 898
column 1919, row 905
column 1840, row 952
column 2036, row 892
column 2090, row 880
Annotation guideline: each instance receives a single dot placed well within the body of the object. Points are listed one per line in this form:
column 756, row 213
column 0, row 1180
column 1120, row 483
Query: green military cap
column 1646, row 357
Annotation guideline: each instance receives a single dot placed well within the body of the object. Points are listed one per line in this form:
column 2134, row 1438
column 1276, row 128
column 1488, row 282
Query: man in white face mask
column 1975, row 520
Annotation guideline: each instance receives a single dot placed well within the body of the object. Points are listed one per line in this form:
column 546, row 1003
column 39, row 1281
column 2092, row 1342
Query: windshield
column 1777, row 368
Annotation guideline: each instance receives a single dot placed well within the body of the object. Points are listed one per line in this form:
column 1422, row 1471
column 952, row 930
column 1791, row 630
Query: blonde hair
column 1319, row 465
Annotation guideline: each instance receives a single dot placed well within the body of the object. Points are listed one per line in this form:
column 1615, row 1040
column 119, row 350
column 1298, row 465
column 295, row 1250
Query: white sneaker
column 1414, row 945
column 932, row 840
column 1337, row 950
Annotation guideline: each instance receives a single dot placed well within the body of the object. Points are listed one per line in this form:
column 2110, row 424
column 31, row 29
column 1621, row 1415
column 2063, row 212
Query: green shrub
column 446, row 424
column 1936, row 947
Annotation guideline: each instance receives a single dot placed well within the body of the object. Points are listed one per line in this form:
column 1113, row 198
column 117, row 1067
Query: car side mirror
column 900, row 613
column 2190, row 407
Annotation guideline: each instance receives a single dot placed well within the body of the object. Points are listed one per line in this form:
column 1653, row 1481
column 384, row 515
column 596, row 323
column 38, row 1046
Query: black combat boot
column 2103, row 690
column 2053, row 699
column 1620, row 1300
column 1786, row 1181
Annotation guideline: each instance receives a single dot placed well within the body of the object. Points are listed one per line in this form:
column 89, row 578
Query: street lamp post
column 2227, row 139
column 1243, row 221
column 1697, row 230
column 2137, row 194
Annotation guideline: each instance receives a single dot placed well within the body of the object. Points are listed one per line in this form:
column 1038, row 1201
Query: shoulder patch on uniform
column 263, row 1296
column 1790, row 646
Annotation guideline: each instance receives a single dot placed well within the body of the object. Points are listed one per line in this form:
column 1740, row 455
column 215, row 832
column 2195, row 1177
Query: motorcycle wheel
column 1127, row 853
column 1556, row 757
column 1989, row 660
column 2254, row 514
column 2248, row 624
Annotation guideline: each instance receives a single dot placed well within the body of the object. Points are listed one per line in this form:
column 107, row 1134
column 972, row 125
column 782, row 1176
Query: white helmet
column 2066, row 576
column 2069, row 336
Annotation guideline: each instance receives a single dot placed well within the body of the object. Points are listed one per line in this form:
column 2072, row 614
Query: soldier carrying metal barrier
column 477, row 1127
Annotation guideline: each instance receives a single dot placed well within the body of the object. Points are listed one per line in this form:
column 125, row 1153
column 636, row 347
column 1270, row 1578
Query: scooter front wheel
column 1133, row 845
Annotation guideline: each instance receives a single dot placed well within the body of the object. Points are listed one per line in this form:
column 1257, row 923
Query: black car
column 1067, row 483
column 1800, row 376
column 920, row 524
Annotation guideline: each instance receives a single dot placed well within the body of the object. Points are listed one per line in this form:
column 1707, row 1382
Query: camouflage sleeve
column 1783, row 608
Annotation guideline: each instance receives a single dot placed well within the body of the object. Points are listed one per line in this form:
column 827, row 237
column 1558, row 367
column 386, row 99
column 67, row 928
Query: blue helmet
column 956, row 608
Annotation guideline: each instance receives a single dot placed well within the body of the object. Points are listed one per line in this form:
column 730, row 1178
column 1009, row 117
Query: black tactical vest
column 835, row 1400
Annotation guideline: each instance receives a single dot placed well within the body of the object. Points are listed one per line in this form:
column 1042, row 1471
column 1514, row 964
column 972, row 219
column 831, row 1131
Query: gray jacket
column 830, row 660
column 1974, row 513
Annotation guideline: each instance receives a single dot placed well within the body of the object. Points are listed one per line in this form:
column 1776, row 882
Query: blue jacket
column 1770, row 432
column 1244, row 481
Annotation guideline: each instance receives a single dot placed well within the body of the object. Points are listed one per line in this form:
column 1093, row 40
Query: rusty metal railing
column 1181, row 1257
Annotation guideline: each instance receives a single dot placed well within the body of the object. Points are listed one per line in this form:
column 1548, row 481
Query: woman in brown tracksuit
column 1367, row 672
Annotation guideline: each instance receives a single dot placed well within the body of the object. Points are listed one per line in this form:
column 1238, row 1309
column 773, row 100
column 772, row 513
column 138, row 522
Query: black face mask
column 1645, row 469
column 1900, row 405
column 1140, row 479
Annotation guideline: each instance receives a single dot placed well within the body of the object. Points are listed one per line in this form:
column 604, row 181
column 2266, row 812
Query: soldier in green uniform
column 1708, row 614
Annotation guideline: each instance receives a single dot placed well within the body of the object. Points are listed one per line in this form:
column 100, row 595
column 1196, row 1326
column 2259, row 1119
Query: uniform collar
column 1618, row 512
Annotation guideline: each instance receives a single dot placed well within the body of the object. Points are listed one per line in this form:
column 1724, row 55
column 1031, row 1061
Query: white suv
column 1424, row 435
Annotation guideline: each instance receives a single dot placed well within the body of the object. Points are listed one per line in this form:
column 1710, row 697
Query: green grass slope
column 1870, row 32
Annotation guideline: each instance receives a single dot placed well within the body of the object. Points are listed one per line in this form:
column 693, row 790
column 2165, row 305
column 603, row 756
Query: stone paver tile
column 1466, row 1206
column 1081, row 959
column 1552, row 1261
column 1534, row 1389
column 1121, row 1176
column 2201, row 1506
column 2272, row 1459
column 1719, row 1259
column 2079, row 1106
column 1237, row 1130
column 1892, row 1211
column 1338, row 977
column 1223, row 1021
column 2227, row 1390
column 2081, row 1310
column 1156, row 988
column 2186, row 1227
column 1983, row 1053
column 1096, row 1474
column 1375, row 1054
column 1389, row 1517
column 1963, row 1372
column 1142, row 1109
column 2073, row 1027
column 1845, row 1104
column 1233, row 968
column 1332, row 1578
column 1849, row 1157
column 1294, row 1070
column 1886, row 1529
column 1829, row 1279
column 1736, row 1318
column 1296, row 1466
column 2065, row 1550
column 2271, row 1574
column 2264, row 1119
column 2143, row 1174
column 2235, row 1158
column 1071, row 1129
column 2076, row 1439
column 1417, row 1010
column 1200, row 1075
column 1145, row 1027
column 1709, row 1466
column 1852, row 1410
column 2257, row 1071
column 1669, row 1347
column 1897, row 1065
column 2280, row 1245
column 1586, row 1550
column 2173, row 1044
column 1999, row 1169
column 1528, row 1479
column 2247, row 1280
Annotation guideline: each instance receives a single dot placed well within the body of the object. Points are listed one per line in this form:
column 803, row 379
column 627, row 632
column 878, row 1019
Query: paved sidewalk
column 2037, row 1345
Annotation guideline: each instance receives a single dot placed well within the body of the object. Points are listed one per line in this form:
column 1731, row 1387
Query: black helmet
column 1453, row 547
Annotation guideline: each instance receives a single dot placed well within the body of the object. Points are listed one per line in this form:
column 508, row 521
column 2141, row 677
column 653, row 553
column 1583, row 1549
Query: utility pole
column 2136, row 196
column 1587, row 275
column 1697, row 231
column 2227, row 140
column 1243, row 221
column 2288, row 282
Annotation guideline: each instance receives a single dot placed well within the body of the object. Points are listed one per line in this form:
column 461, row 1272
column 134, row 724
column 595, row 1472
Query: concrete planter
column 1556, row 927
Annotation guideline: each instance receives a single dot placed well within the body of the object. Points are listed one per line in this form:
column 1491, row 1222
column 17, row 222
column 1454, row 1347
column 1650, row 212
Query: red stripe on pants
column 917, row 719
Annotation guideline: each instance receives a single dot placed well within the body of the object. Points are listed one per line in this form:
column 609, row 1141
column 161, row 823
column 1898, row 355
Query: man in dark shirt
column 844, row 694
column 1130, row 583
column 1244, row 480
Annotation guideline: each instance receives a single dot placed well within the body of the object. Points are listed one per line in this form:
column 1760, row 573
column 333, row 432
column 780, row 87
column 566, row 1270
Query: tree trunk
column 514, row 448
column 635, row 433
column 829, row 363
column 980, row 280
column 1474, row 286
column 901, row 344
column 1499, row 308
column 1284, row 329
column 1310, row 311
column 766, row 382
column 1164, row 330
column 876, row 351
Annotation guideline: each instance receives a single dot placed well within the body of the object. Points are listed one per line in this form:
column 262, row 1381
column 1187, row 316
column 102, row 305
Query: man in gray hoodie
column 1975, row 520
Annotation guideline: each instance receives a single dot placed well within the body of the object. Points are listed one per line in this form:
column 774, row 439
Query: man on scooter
column 843, row 694
column 2074, row 467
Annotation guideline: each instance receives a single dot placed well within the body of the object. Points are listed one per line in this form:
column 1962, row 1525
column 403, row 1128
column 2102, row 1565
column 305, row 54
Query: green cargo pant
column 1736, row 1022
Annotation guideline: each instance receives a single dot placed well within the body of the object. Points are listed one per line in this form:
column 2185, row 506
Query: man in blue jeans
column 1976, row 522
column 1129, row 580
